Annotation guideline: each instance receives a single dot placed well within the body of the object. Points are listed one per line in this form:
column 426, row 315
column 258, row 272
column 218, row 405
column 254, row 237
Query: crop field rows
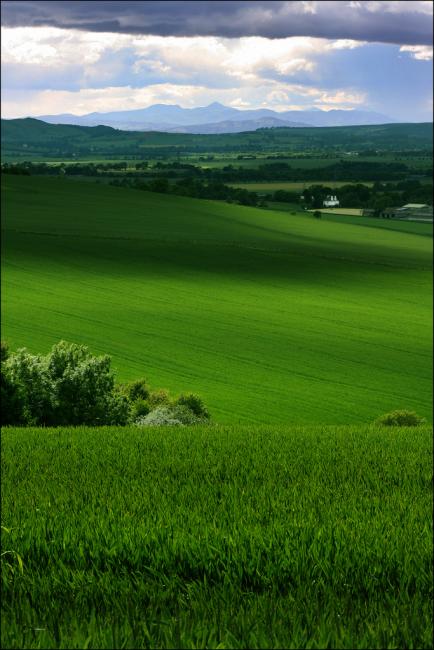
column 217, row 537
column 271, row 318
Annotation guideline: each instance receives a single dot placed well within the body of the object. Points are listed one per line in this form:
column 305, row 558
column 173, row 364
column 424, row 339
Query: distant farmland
column 270, row 317
column 351, row 212
column 289, row 186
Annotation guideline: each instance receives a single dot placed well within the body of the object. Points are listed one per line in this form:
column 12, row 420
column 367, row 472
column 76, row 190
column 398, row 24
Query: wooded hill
column 30, row 138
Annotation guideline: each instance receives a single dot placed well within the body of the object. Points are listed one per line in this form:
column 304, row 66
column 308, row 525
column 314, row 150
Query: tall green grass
column 217, row 537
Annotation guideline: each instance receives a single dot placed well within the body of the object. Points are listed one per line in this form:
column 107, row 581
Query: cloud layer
column 54, row 69
column 398, row 21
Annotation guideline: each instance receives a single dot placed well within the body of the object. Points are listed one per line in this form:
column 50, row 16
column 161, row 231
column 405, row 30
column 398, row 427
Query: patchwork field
column 217, row 537
column 270, row 317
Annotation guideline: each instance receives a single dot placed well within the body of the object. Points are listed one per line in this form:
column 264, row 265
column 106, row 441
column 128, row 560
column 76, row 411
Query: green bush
column 159, row 397
column 195, row 403
column 135, row 390
column 68, row 386
column 139, row 408
column 400, row 419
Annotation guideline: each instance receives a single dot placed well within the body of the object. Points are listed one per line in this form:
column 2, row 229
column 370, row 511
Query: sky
column 79, row 57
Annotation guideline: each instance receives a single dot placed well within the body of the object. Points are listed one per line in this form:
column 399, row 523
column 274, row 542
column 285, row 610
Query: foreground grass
column 217, row 537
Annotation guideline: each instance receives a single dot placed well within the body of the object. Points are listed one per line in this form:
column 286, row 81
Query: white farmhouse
column 331, row 202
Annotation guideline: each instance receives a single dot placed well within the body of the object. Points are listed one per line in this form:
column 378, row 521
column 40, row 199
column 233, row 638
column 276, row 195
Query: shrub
column 139, row 408
column 159, row 397
column 317, row 214
column 161, row 416
column 400, row 419
column 175, row 415
column 194, row 403
column 135, row 390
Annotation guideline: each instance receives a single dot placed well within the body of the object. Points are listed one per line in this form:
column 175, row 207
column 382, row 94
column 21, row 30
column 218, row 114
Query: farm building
column 331, row 202
column 410, row 211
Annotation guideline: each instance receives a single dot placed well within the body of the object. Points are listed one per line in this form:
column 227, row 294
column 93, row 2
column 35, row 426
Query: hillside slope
column 271, row 317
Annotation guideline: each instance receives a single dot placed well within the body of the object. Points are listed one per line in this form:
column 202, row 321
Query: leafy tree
column 68, row 386
column 83, row 387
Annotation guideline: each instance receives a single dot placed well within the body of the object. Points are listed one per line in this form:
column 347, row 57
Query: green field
column 270, row 317
column 217, row 537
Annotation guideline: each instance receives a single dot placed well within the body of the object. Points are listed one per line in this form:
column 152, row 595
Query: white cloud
column 240, row 59
column 420, row 52
column 341, row 97
column 51, row 46
column 396, row 6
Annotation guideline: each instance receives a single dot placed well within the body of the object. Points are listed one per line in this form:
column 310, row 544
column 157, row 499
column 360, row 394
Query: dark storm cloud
column 403, row 23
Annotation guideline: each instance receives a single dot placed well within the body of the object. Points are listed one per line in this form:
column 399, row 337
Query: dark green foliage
column 195, row 403
column 217, row 537
column 139, row 408
column 135, row 390
column 317, row 214
column 11, row 399
column 4, row 351
column 400, row 419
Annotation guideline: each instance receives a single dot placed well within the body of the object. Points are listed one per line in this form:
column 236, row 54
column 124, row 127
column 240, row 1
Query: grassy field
column 270, row 317
column 217, row 537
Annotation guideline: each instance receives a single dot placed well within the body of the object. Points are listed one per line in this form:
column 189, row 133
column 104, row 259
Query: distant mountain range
column 215, row 118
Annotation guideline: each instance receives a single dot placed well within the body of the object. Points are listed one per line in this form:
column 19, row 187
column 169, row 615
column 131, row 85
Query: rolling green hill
column 29, row 138
column 271, row 317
